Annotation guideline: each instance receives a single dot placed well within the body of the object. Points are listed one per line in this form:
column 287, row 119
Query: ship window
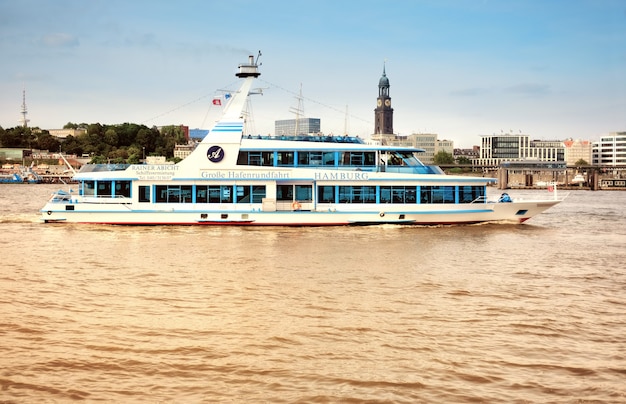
column 201, row 194
column 304, row 193
column 243, row 193
column 436, row 194
column 89, row 188
column 122, row 188
column 173, row 193
column 285, row 158
column 368, row 194
column 144, row 193
column 385, row 194
column 185, row 194
column 469, row 193
column 284, row 192
column 309, row 158
column 357, row 194
column 242, row 159
column 226, row 193
column 104, row 188
column 214, row 194
column 328, row 158
column 398, row 194
column 161, row 193
column 250, row 193
column 267, row 158
column 325, row 194
column 356, row 159
column 255, row 158
column 258, row 193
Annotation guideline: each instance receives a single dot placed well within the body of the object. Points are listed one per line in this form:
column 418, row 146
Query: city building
column 299, row 126
column 383, row 114
column 431, row 145
column 576, row 150
column 470, row 154
column 62, row 134
column 495, row 149
column 610, row 150
column 183, row 150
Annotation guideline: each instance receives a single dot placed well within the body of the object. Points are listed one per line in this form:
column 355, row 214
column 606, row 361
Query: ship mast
column 299, row 110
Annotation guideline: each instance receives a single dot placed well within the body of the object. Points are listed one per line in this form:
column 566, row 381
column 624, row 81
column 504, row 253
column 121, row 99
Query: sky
column 552, row 69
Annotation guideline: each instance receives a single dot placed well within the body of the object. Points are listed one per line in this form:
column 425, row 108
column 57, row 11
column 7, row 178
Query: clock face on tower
column 387, row 102
column 379, row 102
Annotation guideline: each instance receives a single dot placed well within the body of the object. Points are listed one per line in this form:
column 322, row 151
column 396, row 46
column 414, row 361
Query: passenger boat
column 233, row 178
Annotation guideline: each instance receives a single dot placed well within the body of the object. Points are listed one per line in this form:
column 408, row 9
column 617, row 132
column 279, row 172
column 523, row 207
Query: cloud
column 60, row 40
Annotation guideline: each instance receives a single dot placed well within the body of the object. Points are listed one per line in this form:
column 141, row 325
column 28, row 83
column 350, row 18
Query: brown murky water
column 489, row 313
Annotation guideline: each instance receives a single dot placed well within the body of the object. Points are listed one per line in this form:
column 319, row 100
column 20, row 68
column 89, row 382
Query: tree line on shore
column 121, row 143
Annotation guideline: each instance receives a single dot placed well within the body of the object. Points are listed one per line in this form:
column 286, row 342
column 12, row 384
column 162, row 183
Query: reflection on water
column 485, row 313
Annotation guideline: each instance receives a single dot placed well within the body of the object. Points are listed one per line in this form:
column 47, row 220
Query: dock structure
column 523, row 176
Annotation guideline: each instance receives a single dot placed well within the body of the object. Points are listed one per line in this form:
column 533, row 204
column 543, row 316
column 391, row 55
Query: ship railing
column 373, row 168
column 412, row 169
column 61, row 196
column 480, row 199
column 119, row 199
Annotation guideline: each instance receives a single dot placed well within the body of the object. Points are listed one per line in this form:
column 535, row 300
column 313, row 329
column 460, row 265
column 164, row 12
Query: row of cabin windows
column 106, row 189
column 304, row 193
column 306, row 158
column 203, row 193
column 399, row 194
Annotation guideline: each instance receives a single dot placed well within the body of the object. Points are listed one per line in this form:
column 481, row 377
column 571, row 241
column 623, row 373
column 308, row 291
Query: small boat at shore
column 23, row 175
column 236, row 178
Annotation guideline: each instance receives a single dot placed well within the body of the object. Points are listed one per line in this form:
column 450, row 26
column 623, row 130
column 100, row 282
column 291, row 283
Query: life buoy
column 296, row 205
column 49, row 212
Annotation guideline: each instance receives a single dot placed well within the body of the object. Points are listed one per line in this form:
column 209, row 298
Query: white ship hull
column 323, row 215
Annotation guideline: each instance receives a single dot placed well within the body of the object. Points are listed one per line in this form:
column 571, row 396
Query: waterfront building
column 495, row 149
column 610, row 150
column 576, row 150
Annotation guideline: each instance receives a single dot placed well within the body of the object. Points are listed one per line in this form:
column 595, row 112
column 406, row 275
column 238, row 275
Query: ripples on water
column 488, row 313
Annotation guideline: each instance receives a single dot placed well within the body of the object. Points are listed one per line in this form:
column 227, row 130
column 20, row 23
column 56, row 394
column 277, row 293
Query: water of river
column 390, row 314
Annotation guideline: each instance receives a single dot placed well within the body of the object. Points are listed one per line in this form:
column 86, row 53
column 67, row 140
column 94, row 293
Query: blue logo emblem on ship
column 215, row 154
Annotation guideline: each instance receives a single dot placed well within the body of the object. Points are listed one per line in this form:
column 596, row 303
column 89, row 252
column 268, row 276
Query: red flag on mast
column 217, row 101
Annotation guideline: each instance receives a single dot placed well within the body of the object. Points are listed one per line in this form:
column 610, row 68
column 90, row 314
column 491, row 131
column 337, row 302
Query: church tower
column 383, row 114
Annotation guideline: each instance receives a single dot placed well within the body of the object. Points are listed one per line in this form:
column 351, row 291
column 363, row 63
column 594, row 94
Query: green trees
column 581, row 162
column 463, row 160
column 443, row 157
column 124, row 143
